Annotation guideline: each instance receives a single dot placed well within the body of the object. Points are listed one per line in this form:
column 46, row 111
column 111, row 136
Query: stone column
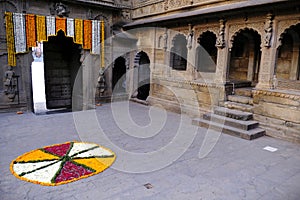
column 268, row 56
column 223, row 55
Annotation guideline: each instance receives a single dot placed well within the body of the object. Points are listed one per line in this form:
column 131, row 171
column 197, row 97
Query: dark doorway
column 119, row 75
column 62, row 62
column 143, row 76
column 245, row 56
column 206, row 53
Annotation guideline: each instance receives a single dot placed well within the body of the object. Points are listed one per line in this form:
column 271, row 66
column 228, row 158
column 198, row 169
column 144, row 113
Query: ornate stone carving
column 165, row 40
column 268, row 28
column 60, row 10
column 220, row 42
column 190, row 37
column 10, row 84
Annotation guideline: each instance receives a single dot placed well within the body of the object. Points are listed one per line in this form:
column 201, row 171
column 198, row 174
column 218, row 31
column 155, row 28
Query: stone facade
column 185, row 55
column 86, row 65
column 258, row 47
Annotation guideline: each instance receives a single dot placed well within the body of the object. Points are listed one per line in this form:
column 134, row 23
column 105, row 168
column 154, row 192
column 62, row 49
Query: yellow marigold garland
column 41, row 28
column 78, row 31
column 10, row 39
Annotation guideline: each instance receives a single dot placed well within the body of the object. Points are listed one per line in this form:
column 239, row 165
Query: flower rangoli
column 62, row 163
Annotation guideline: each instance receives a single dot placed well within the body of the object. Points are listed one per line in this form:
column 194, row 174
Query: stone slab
column 235, row 114
column 248, row 135
column 245, row 125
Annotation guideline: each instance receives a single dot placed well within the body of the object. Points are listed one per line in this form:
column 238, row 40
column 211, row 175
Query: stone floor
column 152, row 146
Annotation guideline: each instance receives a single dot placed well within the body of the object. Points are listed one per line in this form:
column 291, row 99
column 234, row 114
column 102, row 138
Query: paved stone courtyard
column 234, row 169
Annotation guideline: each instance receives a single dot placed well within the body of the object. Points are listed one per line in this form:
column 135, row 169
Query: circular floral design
column 62, row 163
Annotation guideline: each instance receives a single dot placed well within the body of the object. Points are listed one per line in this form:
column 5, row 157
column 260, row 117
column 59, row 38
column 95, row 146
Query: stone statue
column 268, row 30
column 61, row 10
column 10, row 83
column 190, row 39
column 221, row 36
column 165, row 40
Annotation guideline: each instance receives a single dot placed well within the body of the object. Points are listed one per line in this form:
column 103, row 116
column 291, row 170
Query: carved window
column 178, row 53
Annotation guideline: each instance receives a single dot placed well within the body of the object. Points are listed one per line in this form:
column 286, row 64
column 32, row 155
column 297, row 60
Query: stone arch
column 233, row 36
column 245, row 46
column 206, row 52
column 287, row 59
column 283, row 26
column 142, row 75
column 178, row 53
column 119, row 75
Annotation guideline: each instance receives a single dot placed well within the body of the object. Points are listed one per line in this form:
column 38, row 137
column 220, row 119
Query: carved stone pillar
column 223, row 54
column 268, row 56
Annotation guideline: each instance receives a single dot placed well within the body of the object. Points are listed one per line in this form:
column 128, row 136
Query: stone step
column 240, row 99
column 246, row 91
column 238, row 106
column 249, row 135
column 234, row 114
column 244, row 125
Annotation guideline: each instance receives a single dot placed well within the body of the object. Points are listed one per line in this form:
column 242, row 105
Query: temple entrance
column 287, row 65
column 143, row 62
column 62, row 62
column 245, row 57
column 119, row 75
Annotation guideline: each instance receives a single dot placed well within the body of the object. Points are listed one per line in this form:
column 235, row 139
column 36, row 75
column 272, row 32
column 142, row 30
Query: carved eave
column 103, row 3
column 202, row 12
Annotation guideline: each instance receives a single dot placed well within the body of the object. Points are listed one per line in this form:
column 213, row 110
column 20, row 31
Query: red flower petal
column 59, row 150
column 71, row 171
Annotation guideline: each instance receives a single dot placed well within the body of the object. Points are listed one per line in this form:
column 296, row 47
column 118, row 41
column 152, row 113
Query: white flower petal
column 94, row 152
column 20, row 168
column 44, row 175
column 78, row 147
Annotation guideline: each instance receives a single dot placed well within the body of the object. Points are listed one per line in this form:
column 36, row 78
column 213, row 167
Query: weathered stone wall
column 279, row 112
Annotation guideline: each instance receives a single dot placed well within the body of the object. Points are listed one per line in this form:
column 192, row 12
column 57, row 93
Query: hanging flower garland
column 102, row 45
column 62, row 163
column 87, row 35
column 30, row 31
column 10, row 39
column 78, row 31
column 24, row 30
column 41, row 28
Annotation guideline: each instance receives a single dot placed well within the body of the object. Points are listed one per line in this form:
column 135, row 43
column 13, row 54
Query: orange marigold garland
column 62, row 163
column 30, row 30
column 87, row 35
column 102, row 45
column 10, row 39
column 60, row 24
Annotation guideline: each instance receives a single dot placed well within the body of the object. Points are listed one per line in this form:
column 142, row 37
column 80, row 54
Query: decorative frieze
column 295, row 97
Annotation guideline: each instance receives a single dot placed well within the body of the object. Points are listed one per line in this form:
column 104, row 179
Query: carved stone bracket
column 220, row 42
column 268, row 28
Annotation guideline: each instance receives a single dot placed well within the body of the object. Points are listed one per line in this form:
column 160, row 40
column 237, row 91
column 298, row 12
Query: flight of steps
column 240, row 100
column 233, row 117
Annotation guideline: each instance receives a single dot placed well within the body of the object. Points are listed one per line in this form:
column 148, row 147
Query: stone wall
column 279, row 113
